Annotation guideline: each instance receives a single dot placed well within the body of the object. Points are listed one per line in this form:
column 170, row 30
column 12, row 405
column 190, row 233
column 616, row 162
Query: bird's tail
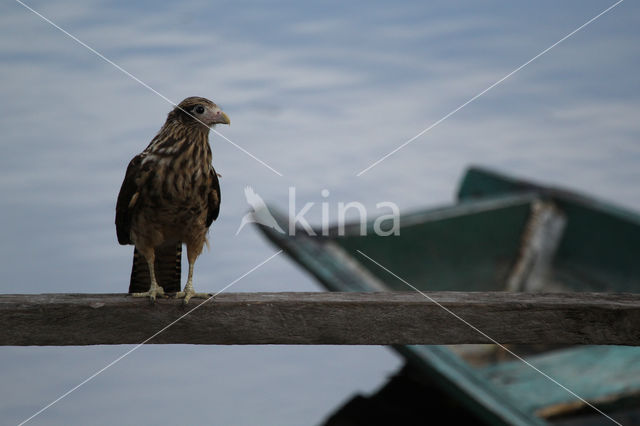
column 167, row 266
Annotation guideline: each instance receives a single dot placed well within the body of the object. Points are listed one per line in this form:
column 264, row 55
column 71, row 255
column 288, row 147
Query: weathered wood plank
column 323, row 318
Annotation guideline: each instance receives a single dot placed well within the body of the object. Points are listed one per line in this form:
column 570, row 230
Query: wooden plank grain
column 383, row 318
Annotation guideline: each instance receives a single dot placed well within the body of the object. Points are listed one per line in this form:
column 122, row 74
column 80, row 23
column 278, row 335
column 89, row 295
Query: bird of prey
column 170, row 195
column 260, row 213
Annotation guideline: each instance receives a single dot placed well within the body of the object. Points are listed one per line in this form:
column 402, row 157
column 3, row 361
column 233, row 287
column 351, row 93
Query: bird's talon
column 151, row 294
column 188, row 295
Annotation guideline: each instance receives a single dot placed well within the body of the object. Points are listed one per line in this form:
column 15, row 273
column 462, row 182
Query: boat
column 501, row 234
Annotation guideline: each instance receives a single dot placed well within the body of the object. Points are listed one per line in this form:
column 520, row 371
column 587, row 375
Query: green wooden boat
column 503, row 234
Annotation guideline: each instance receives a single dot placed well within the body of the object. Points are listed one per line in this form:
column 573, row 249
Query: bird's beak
column 222, row 118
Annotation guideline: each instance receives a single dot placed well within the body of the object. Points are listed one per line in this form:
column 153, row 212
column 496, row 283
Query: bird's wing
column 247, row 218
column 127, row 199
column 254, row 199
column 261, row 212
column 214, row 197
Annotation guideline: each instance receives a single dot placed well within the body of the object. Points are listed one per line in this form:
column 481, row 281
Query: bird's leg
column 154, row 288
column 188, row 291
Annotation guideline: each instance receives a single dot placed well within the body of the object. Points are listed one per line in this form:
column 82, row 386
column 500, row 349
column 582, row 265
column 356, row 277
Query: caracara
column 170, row 196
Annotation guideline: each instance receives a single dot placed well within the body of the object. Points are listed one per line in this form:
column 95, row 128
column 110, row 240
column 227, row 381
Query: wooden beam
column 384, row 318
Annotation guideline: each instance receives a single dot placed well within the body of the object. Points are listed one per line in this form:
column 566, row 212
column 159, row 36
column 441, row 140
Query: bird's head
column 196, row 111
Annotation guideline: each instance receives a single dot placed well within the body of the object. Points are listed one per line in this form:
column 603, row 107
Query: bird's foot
column 151, row 294
column 190, row 293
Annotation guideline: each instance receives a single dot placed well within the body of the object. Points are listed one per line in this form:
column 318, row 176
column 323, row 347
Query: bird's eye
column 199, row 109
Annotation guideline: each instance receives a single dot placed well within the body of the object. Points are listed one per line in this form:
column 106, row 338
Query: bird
column 260, row 213
column 170, row 196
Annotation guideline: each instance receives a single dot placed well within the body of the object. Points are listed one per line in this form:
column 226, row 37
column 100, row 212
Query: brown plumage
column 170, row 195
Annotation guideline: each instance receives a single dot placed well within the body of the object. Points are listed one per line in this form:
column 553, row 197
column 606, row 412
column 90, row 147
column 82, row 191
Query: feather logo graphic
column 260, row 213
